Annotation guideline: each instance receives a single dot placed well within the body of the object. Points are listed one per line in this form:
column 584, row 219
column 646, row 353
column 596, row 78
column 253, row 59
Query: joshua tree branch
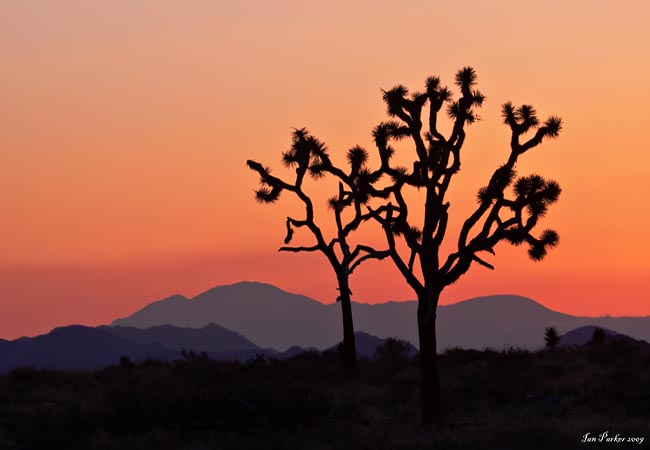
column 267, row 178
column 394, row 254
column 313, row 248
column 412, row 260
column 370, row 255
column 483, row 263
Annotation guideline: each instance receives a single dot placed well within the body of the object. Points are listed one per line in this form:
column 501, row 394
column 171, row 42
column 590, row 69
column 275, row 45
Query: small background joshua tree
column 551, row 338
column 308, row 155
column 598, row 338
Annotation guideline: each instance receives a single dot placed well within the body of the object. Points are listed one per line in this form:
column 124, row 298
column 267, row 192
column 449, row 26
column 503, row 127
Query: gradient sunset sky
column 125, row 127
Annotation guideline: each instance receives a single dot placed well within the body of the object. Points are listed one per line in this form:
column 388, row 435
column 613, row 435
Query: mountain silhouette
column 367, row 345
column 261, row 312
column 212, row 338
column 78, row 347
column 75, row 347
column 271, row 317
column 583, row 336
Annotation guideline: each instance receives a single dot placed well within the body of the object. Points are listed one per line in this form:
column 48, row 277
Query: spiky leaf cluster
column 461, row 110
column 306, row 153
column 267, row 194
column 437, row 94
column 539, row 247
column 516, row 235
column 534, row 194
column 357, row 158
column 537, row 194
column 466, row 77
column 395, row 99
column 336, row 203
column 364, row 182
column 401, row 228
column 455, row 111
column 553, row 126
column 524, row 118
column 270, row 187
column 386, row 131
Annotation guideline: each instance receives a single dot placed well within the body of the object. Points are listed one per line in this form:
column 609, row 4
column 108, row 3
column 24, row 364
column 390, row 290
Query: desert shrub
column 126, row 363
column 492, row 399
column 598, row 338
column 27, row 375
column 310, row 355
column 393, row 355
column 200, row 370
column 458, row 356
column 258, row 360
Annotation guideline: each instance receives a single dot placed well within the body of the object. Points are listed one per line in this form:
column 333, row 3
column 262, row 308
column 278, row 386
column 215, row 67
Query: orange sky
column 124, row 129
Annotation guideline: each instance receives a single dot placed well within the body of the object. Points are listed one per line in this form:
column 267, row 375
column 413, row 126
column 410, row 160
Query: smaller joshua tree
column 308, row 155
column 598, row 338
column 551, row 338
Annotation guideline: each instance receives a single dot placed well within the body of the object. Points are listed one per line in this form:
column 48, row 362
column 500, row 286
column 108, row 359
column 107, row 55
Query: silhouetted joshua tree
column 309, row 155
column 551, row 338
column 597, row 338
column 508, row 208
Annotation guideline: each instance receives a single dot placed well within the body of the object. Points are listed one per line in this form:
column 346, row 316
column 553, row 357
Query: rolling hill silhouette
column 78, row 347
column 275, row 318
column 368, row 344
column 212, row 338
column 84, row 348
column 583, row 336
column 75, row 347
column 263, row 313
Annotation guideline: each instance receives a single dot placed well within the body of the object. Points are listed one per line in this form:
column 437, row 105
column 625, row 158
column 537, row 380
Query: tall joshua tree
column 308, row 155
column 508, row 209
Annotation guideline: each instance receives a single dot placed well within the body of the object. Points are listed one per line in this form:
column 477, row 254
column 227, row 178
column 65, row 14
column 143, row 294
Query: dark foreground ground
column 492, row 400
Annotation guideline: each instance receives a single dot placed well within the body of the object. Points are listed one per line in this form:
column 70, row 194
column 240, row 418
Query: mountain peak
column 176, row 298
column 272, row 317
column 510, row 299
column 505, row 304
column 243, row 287
column 582, row 335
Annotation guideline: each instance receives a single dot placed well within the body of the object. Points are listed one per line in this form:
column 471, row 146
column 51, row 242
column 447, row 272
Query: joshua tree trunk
column 429, row 379
column 348, row 347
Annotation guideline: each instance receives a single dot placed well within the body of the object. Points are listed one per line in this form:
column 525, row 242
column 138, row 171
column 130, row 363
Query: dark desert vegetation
column 509, row 207
column 508, row 399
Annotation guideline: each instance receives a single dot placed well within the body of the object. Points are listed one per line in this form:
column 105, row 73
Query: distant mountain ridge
column 260, row 319
column 262, row 313
column 368, row 344
column 584, row 336
column 272, row 317
column 79, row 347
column 75, row 347
column 212, row 337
